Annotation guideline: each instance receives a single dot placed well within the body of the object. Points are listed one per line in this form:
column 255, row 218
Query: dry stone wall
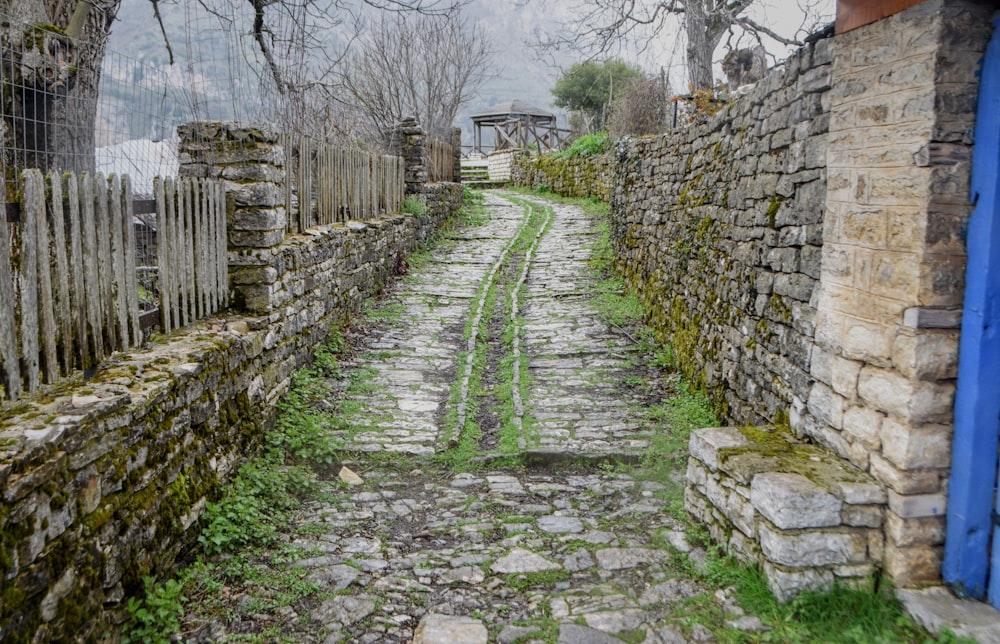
column 580, row 177
column 103, row 480
column 803, row 251
column 810, row 518
column 885, row 362
column 719, row 227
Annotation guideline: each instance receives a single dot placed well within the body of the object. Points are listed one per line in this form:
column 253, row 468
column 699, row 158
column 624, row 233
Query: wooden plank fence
column 440, row 163
column 191, row 250
column 69, row 294
column 326, row 184
column 65, row 283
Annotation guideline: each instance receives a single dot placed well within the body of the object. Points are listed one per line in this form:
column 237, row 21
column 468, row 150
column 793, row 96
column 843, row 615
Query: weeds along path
column 472, row 396
column 397, row 397
column 494, row 346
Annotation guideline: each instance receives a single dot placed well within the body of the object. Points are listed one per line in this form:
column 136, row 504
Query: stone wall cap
column 705, row 443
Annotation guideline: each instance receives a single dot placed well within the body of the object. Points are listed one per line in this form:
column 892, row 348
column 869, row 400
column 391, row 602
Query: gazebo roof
column 512, row 108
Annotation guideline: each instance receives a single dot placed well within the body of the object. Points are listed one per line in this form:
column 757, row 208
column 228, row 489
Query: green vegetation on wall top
column 588, row 145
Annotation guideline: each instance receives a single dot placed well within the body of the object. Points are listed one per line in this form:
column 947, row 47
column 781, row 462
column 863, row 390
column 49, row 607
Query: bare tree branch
column 601, row 28
column 163, row 30
column 423, row 66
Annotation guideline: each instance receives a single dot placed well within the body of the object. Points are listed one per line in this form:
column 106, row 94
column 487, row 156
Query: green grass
column 587, row 145
column 526, row 580
column 868, row 612
column 591, row 206
column 414, row 206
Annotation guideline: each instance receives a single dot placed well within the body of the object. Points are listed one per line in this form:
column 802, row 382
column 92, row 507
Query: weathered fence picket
column 69, row 291
column 326, row 184
column 10, row 377
column 440, row 163
column 191, row 246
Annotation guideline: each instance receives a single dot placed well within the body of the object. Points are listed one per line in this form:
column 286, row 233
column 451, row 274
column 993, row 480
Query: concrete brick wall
column 718, row 226
column 902, row 112
column 103, row 480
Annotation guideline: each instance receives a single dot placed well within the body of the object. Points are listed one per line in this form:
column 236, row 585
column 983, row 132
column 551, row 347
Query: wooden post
column 77, row 274
column 131, row 278
column 35, row 183
column 10, row 371
column 32, row 207
column 63, row 303
column 92, row 284
column 118, row 262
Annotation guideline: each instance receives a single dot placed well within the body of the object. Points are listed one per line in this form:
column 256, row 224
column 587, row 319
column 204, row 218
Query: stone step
column 808, row 516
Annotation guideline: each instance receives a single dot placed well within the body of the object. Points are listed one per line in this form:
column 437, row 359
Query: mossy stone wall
column 103, row 481
column 718, row 225
column 579, row 177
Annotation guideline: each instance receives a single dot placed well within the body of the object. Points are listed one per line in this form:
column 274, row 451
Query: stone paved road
column 573, row 552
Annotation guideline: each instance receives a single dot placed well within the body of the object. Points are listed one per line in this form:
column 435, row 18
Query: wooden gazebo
column 517, row 125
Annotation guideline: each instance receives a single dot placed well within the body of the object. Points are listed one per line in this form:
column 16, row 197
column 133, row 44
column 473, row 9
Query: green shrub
column 588, row 145
column 414, row 206
column 155, row 617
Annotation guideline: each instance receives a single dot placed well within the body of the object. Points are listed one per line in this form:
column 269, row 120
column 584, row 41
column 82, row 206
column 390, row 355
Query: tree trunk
column 51, row 61
column 699, row 46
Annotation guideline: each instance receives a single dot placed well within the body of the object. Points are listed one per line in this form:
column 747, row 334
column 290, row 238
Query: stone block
column 910, row 482
column 864, row 424
column 256, row 194
column 256, row 238
column 926, row 355
column 740, row 513
column 826, row 405
column 696, row 474
column 813, row 548
column 885, row 390
column 257, row 219
column 787, row 583
column 865, row 341
column 911, row 506
column 707, row 443
column 896, row 275
column 916, row 531
column 910, row 446
column 793, row 501
column 255, row 172
column 863, row 516
column 914, row 565
column 864, row 227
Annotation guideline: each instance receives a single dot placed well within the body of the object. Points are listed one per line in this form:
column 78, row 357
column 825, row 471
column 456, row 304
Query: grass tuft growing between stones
column 866, row 613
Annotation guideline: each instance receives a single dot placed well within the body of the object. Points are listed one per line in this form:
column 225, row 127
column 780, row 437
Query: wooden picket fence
column 326, row 184
column 68, row 291
column 191, row 250
column 69, row 294
column 440, row 162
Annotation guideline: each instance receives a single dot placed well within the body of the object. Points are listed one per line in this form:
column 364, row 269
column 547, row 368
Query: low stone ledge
column 810, row 518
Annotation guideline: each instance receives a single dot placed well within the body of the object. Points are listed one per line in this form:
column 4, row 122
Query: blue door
column 972, row 529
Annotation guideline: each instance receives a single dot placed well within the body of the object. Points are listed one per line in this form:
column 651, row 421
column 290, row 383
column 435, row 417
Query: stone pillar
column 251, row 161
column 891, row 283
column 456, row 154
column 409, row 141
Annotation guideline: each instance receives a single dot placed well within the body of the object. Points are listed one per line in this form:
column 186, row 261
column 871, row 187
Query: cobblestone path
column 492, row 348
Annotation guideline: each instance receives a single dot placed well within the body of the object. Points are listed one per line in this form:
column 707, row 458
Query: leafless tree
column 641, row 108
column 52, row 67
column 600, row 27
column 417, row 65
